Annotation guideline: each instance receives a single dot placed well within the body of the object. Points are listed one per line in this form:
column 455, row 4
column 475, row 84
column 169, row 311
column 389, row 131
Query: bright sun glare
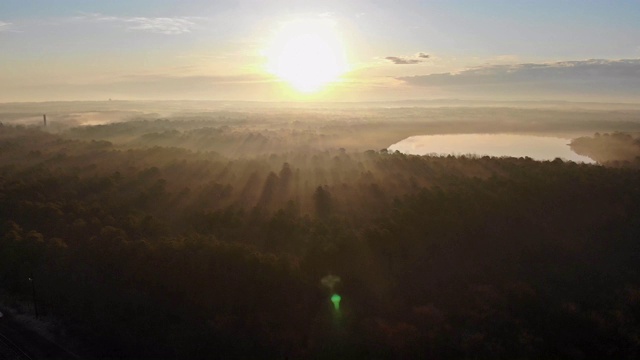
column 307, row 54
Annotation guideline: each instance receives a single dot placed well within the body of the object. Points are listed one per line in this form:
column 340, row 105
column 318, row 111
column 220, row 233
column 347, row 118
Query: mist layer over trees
column 206, row 235
column 617, row 149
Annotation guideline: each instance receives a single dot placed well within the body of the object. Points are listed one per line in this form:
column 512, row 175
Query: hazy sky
column 223, row 50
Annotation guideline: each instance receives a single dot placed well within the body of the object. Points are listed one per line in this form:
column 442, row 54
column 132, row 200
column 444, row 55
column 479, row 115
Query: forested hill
column 166, row 252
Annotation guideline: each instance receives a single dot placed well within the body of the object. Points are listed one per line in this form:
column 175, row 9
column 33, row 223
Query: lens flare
column 335, row 299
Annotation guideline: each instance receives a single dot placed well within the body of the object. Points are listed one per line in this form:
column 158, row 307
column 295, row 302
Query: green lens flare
column 335, row 299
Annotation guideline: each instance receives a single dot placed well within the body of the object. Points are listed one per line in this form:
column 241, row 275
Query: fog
column 253, row 128
column 258, row 230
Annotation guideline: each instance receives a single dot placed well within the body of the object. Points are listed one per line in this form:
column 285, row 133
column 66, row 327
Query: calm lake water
column 535, row 147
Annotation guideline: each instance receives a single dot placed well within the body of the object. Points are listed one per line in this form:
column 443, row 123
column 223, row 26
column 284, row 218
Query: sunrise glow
column 307, row 54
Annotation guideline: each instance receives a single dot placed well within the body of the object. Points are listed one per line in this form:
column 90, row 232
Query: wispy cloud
column 162, row 25
column 5, row 26
column 158, row 25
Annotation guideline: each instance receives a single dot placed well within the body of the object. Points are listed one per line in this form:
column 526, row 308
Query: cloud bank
column 580, row 71
column 594, row 76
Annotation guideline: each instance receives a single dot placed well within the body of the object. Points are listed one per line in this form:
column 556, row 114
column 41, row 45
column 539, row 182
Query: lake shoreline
column 496, row 145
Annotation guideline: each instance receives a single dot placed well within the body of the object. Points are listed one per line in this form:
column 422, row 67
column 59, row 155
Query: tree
column 322, row 202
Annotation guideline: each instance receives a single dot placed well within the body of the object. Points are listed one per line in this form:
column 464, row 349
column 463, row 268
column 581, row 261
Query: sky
column 298, row 50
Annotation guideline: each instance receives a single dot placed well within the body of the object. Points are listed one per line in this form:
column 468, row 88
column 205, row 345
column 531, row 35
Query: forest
column 616, row 149
column 207, row 234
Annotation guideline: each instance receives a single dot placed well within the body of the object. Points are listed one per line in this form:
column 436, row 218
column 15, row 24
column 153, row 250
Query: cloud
column 580, row 71
column 417, row 59
column 169, row 26
column 594, row 76
column 5, row 26
column 403, row 61
column 158, row 25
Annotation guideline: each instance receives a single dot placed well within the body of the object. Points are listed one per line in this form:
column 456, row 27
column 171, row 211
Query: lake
column 535, row 147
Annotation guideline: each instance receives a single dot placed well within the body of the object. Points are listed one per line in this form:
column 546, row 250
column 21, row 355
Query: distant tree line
column 616, row 149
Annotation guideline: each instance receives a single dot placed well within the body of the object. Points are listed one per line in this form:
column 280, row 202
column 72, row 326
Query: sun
column 307, row 54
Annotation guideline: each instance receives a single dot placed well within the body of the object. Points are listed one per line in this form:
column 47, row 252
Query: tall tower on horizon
column 44, row 118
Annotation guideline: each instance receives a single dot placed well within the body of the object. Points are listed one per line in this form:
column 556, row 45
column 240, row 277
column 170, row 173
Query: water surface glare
column 535, row 147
